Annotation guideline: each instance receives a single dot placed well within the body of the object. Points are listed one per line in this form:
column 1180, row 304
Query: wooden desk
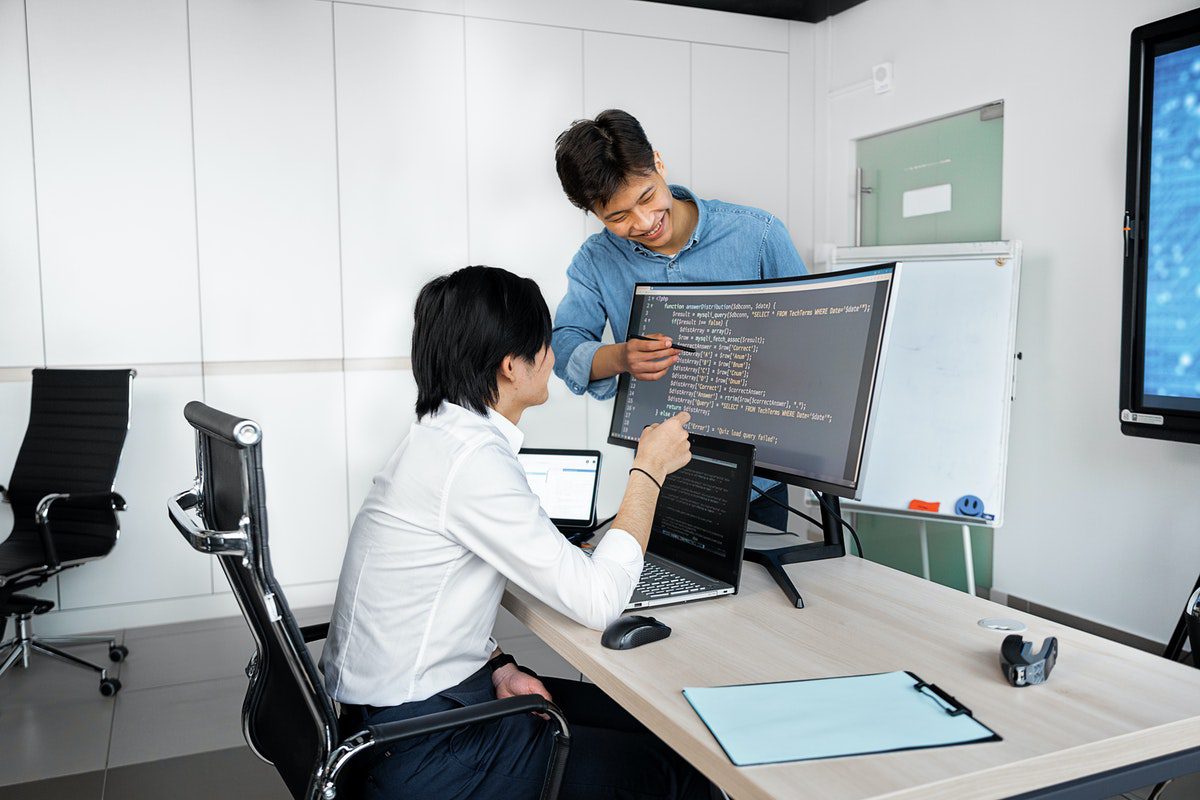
column 1106, row 707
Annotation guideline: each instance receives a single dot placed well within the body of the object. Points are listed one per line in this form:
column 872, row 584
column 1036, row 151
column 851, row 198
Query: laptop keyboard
column 658, row 582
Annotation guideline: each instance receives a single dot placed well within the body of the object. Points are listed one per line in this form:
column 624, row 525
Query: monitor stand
column 777, row 558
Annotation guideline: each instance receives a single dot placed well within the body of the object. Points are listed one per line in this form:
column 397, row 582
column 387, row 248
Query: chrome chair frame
column 245, row 549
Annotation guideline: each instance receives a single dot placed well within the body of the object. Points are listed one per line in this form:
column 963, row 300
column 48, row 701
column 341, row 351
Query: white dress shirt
column 447, row 522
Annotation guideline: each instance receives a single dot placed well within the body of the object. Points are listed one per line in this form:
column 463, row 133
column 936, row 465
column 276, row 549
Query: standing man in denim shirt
column 654, row 232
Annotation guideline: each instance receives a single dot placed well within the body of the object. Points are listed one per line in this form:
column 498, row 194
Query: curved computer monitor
column 788, row 364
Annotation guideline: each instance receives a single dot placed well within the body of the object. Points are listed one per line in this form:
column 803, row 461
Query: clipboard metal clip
column 953, row 707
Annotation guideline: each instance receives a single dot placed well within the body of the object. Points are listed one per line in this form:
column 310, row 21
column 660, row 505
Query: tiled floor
column 174, row 731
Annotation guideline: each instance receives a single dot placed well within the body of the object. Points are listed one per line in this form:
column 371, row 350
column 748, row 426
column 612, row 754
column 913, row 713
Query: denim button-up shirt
column 730, row 243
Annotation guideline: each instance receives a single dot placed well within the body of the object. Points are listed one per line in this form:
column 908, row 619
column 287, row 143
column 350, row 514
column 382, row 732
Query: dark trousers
column 768, row 513
column 612, row 754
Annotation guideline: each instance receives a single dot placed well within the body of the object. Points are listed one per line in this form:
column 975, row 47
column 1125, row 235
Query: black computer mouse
column 633, row 631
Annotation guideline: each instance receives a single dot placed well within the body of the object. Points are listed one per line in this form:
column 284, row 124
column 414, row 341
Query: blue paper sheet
column 767, row 723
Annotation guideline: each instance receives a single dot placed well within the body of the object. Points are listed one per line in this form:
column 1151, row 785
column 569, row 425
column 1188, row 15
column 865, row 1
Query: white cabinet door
column 116, row 212
column 524, row 86
column 266, row 179
column 740, row 126
column 20, row 290
column 402, row 164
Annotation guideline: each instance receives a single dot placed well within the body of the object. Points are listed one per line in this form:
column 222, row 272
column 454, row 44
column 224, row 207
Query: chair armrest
column 182, row 509
column 387, row 732
column 315, row 633
column 97, row 500
column 80, row 500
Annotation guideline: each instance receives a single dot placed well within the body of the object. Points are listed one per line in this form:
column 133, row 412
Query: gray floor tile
column 222, row 773
column 170, row 721
column 54, row 739
column 195, row 655
column 48, row 680
column 87, row 786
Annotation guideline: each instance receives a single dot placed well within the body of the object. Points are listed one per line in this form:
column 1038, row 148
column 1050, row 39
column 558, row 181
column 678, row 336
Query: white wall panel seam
column 337, row 161
column 37, row 224
column 212, row 578
column 466, row 146
column 195, row 202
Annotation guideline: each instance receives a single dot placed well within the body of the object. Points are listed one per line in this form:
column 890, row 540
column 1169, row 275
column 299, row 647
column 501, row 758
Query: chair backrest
column 288, row 719
column 78, row 420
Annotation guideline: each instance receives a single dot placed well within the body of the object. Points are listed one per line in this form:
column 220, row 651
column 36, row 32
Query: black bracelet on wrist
column 648, row 475
column 504, row 659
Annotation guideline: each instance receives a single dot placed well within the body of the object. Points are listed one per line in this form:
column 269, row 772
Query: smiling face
column 643, row 210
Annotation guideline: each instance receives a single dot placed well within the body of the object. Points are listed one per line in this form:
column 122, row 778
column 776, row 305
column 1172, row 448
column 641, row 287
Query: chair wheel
column 117, row 653
column 109, row 687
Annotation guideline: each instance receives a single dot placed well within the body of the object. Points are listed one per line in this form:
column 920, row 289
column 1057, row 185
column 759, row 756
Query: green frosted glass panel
column 955, row 159
column 896, row 543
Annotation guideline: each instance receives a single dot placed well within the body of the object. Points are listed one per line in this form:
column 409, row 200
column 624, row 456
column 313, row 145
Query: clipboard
column 770, row 723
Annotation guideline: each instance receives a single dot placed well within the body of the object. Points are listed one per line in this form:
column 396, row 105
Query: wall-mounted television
column 1160, row 341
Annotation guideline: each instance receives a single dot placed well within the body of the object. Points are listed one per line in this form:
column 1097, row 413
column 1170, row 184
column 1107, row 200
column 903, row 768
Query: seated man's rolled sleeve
column 578, row 372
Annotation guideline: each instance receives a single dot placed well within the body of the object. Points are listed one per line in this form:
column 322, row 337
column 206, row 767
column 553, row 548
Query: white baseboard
column 161, row 612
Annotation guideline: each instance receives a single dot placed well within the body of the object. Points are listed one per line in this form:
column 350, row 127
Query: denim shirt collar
column 679, row 193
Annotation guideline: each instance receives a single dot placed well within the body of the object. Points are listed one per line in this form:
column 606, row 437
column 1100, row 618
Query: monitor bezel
column 559, row 451
column 1138, row 417
column 851, row 491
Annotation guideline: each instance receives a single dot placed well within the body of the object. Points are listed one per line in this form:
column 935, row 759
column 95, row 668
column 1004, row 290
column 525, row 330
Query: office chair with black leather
column 288, row 718
column 63, row 502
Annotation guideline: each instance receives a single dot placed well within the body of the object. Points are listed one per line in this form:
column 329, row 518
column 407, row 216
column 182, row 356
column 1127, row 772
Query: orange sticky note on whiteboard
column 923, row 505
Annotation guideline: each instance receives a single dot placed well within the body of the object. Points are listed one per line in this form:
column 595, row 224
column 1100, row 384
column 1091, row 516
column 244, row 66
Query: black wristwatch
column 505, row 659
column 500, row 661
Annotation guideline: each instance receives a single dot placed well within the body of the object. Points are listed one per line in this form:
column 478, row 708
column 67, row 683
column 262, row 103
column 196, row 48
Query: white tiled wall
column 243, row 199
column 524, row 85
column 112, row 139
column 740, row 126
column 303, row 416
column 266, row 179
column 379, row 411
column 652, row 80
column 20, row 286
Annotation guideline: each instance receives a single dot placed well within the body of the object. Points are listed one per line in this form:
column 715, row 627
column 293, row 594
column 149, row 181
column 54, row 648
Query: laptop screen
column 700, row 521
column 565, row 481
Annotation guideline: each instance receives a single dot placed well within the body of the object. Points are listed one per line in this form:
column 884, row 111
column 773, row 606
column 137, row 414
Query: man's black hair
column 596, row 157
column 467, row 322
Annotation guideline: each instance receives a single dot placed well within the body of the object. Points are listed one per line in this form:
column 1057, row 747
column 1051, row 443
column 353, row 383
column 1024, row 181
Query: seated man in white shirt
column 449, row 520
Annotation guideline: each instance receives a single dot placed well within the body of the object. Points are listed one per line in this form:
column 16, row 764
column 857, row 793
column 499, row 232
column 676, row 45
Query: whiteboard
column 940, row 425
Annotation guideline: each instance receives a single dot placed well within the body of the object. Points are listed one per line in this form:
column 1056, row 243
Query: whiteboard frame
column 842, row 256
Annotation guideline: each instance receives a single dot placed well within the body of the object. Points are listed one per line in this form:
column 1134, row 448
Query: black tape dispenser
column 1023, row 667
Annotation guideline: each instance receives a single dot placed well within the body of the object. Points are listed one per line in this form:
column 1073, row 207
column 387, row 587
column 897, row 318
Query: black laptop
column 699, row 530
